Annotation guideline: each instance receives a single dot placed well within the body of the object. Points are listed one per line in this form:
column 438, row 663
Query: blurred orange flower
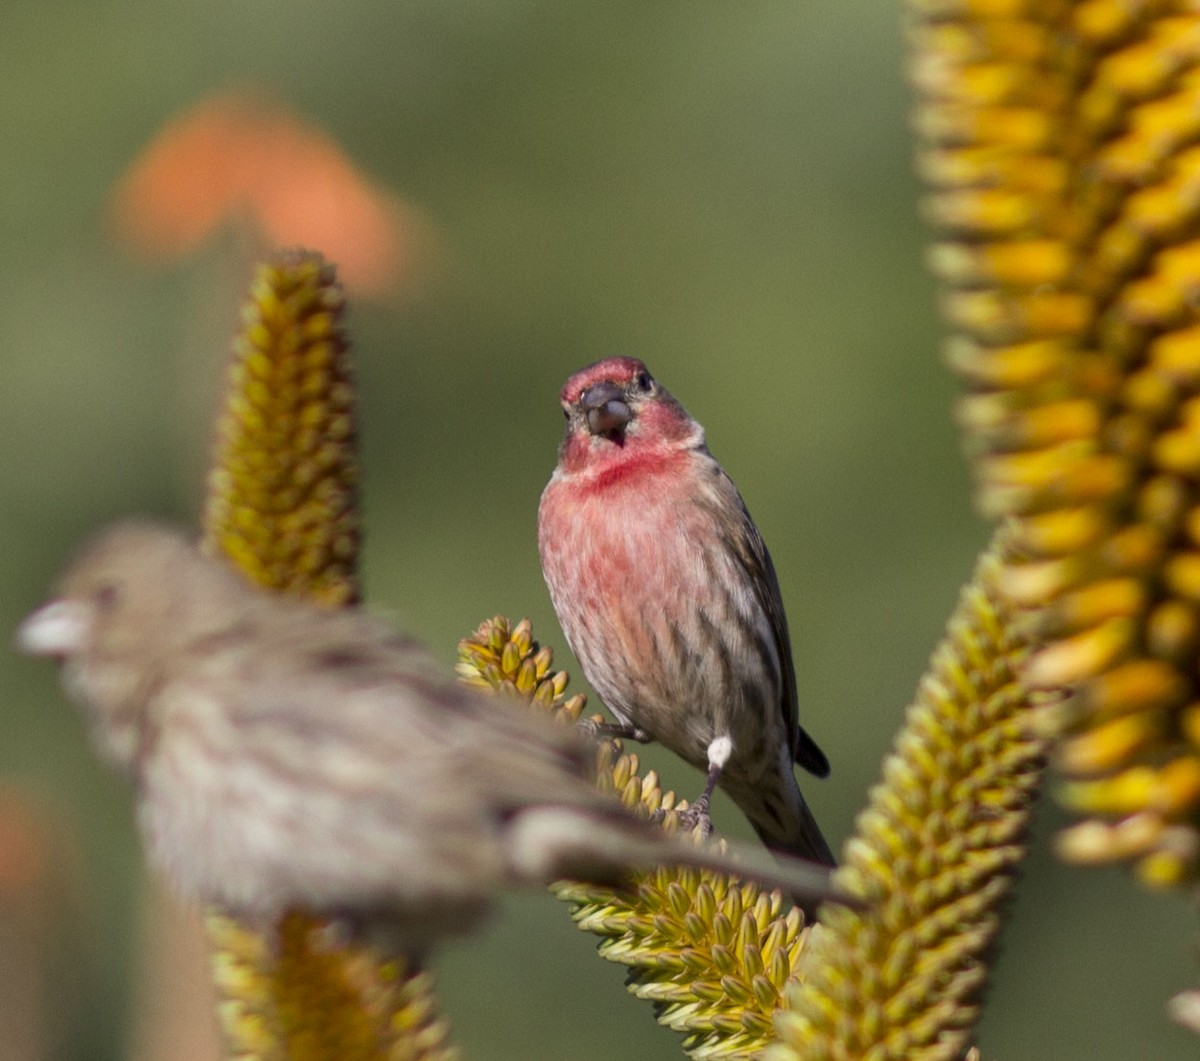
column 238, row 156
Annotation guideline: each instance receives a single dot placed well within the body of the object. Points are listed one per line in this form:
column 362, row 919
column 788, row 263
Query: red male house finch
column 668, row 597
column 286, row 756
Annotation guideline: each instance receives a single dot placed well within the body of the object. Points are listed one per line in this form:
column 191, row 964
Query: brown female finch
column 286, row 756
column 669, row 600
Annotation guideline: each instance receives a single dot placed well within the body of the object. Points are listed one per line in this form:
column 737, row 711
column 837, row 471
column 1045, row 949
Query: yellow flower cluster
column 283, row 490
column 504, row 658
column 934, row 857
column 1059, row 143
column 712, row 954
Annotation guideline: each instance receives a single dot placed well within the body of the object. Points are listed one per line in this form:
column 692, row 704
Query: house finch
column 286, row 756
column 669, row 600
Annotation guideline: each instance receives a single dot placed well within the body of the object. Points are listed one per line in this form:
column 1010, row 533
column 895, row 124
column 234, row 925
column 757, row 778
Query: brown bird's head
column 617, row 413
column 132, row 599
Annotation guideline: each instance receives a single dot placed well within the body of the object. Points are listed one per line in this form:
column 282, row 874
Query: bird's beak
column 606, row 408
column 55, row 629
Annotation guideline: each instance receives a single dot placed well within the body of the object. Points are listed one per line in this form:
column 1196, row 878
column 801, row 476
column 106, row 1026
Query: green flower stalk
column 934, row 856
column 282, row 506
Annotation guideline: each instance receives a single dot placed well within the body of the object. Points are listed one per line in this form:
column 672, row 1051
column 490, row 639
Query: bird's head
column 616, row 411
column 123, row 589
column 133, row 597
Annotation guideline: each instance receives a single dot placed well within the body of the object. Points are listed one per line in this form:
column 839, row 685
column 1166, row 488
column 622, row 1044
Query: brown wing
column 760, row 572
column 395, row 781
column 360, row 665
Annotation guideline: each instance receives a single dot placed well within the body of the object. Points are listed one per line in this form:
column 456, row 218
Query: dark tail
column 782, row 819
column 809, row 755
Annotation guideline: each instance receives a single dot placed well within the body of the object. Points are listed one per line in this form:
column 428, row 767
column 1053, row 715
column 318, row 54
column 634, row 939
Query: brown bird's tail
column 573, row 843
column 779, row 814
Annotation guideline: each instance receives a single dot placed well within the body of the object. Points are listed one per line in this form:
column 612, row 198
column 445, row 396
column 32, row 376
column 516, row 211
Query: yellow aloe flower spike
column 712, row 954
column 1060, row 144
column 283, row 490
column 282, row 505
column 933, row 856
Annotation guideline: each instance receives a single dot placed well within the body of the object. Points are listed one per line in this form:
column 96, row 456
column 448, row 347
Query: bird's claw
column 697, row 815
column 595, row 730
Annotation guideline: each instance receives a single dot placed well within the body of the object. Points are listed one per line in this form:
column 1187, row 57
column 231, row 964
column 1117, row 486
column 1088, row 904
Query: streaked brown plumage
column 286, row 756
column 668, row 597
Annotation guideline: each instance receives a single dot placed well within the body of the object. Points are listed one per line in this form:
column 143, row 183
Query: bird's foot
column 697, row 815
column 594, row 730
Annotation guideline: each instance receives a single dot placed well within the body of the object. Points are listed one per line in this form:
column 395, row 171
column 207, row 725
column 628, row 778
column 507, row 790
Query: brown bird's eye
column 644, row 381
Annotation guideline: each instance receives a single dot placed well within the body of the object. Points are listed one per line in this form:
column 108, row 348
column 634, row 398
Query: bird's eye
column 106, row 596
column 644, row 381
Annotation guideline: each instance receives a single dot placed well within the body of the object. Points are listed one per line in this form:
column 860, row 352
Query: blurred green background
column 723, row 189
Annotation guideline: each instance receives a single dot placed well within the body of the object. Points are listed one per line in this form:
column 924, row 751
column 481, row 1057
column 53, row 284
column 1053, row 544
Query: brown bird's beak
column 606, row 408
column 55, row 629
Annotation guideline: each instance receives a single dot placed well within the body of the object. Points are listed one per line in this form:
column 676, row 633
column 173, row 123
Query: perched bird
column 286, row 756
column 668, row 597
